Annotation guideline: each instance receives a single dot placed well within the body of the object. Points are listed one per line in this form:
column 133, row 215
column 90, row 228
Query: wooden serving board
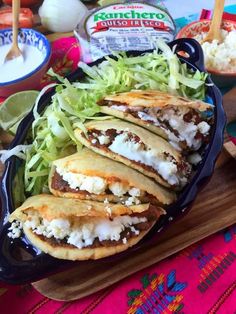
column 214, row 209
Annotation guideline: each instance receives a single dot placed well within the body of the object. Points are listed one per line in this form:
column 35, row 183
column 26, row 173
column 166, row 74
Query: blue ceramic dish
column 16, row 269
column 31, row 80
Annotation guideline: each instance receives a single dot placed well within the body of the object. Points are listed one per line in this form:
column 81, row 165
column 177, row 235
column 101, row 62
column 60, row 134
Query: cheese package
column 123, row 27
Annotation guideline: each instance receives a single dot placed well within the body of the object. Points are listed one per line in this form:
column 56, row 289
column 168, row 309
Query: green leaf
column 134, row 293
column 145, row 281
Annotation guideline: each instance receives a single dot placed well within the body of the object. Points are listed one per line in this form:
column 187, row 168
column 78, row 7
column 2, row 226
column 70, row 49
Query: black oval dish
column 15, row 269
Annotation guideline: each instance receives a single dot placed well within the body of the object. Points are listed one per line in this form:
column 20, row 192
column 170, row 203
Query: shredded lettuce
column 162, row 71
column 52, row 133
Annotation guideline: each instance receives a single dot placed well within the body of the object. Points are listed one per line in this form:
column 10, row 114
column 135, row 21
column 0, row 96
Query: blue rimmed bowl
column 32, row 79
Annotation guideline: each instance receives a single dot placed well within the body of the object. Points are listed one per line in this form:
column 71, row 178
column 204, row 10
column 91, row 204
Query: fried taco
column 137, row 148
column 183, row 122
column 79, row 230
column 87, row 175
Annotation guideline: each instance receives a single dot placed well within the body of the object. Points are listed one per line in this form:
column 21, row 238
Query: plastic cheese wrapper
column 123, row 26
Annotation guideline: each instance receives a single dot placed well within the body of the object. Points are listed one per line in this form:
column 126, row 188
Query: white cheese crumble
column 203, row 127
column 132, row 200
column 108, row 209
column 118, row 188
column 194, row 158
column 84, row 234
column 120, row 108
column 15, row 230
column 124, row 241
column 220, row 56
column 124, row 146
column 136, row 232
column 96, row 185
column 91, row 184
column 106, row 201
column 135, row 192
column 104, row 139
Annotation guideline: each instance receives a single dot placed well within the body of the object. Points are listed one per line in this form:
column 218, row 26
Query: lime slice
column 15, row 108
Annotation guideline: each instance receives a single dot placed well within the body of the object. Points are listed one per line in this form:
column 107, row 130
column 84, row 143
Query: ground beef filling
column 92, row 135
column 111, row 133
column 152, row 214
column 61, row 185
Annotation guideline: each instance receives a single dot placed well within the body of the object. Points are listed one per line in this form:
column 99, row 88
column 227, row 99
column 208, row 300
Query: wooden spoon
column 15, row 51
column 214, row 31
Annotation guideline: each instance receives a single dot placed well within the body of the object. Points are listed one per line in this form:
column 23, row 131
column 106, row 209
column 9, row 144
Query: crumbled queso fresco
column 126, row 147
column 220, row 56
column 15, row 230
column 97, row 185
column 81, row 234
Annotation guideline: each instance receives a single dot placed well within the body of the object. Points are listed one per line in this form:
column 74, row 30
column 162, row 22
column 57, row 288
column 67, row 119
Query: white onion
column 62, row 15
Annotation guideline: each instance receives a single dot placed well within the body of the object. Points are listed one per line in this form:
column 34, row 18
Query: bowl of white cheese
column 23, row 73
column 219, row 57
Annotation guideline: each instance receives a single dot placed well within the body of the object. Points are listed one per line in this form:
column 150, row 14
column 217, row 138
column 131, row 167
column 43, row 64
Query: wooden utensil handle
column 218, row 13
column 16, row 11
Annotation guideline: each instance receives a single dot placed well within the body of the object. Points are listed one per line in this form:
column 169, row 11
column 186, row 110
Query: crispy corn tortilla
column 129, row 117
column 88, row 163
column 50, row 207
column 73, row 253
column 156, row 143
column 154, row 98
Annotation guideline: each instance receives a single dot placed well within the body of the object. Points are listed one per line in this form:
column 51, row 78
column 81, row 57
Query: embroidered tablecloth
column 198, row 280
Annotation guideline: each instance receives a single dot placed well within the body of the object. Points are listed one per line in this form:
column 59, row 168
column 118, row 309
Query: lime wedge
column 15, row 108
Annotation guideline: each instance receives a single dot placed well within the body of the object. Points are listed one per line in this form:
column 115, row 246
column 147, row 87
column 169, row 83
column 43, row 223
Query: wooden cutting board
column 214, row 209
